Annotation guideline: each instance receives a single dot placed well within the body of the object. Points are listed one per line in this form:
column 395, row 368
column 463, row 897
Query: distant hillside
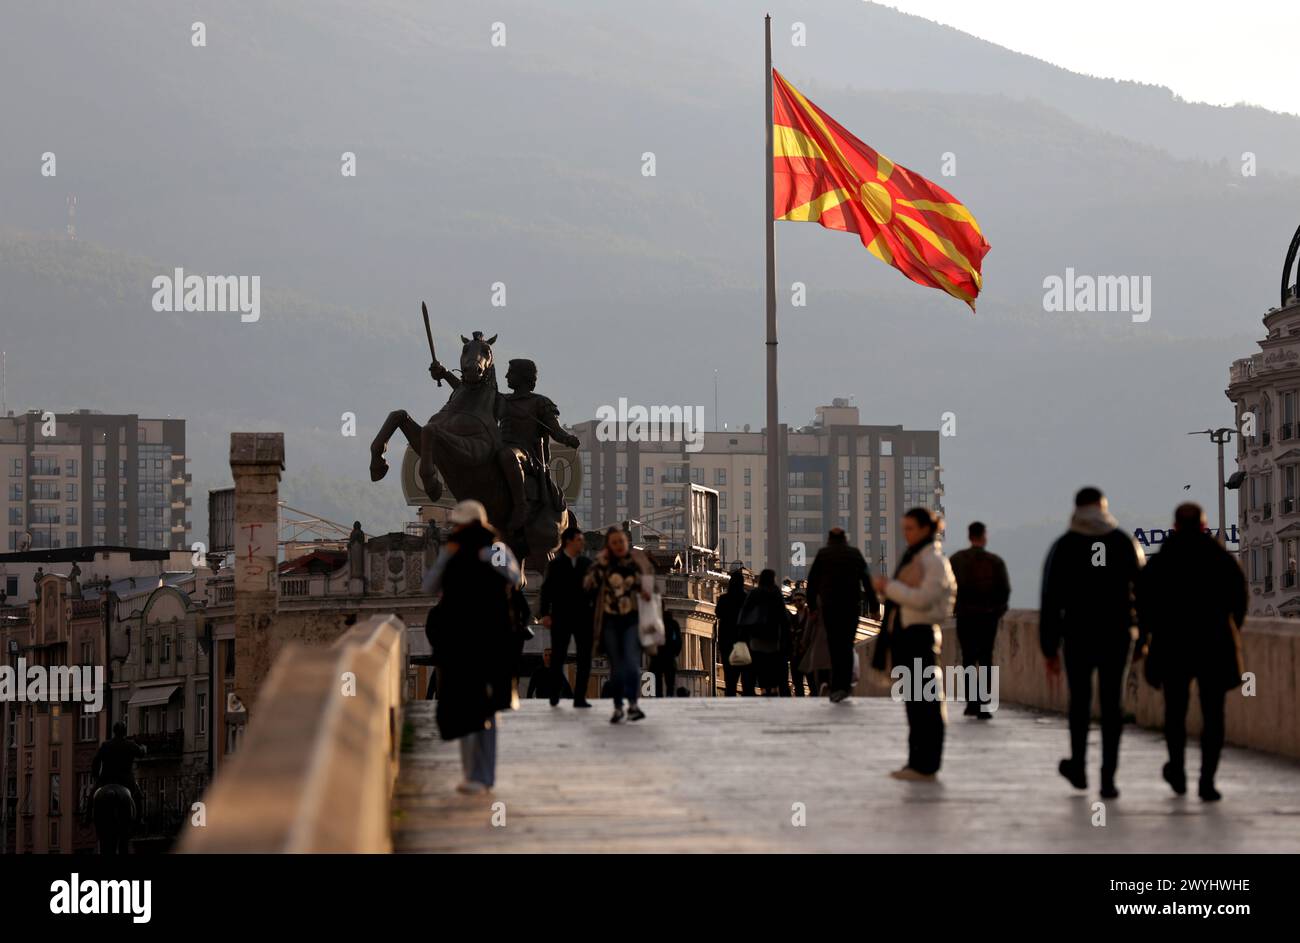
column 522, row 165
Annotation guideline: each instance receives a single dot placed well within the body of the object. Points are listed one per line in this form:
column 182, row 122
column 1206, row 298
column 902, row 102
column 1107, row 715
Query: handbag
column 650, row 622
column 740, row 656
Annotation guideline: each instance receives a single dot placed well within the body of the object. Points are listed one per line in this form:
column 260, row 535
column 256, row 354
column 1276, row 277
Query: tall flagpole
column 775, row 491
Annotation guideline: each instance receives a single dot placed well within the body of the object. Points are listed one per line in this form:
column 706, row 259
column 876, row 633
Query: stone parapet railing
column 315, row 772
column 1269, row 720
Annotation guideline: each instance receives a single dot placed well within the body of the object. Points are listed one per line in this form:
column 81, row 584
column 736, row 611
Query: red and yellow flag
column 823, row 174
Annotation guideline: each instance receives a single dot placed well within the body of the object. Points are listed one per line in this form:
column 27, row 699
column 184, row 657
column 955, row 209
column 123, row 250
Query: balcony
column 161, row 745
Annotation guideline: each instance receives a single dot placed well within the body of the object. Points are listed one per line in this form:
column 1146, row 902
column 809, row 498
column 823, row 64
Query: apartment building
column 90, row 478
column 838, row 471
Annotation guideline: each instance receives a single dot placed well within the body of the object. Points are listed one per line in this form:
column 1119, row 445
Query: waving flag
column 823, row 174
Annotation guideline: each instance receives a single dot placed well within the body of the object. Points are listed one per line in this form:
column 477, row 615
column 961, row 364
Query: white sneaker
column 470, row 787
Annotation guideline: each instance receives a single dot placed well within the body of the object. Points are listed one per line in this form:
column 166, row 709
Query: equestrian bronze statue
column 490, row 447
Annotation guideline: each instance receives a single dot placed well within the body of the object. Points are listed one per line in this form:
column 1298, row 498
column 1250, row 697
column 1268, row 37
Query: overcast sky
column 1204, row 51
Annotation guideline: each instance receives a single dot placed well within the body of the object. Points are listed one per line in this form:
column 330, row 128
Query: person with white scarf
column 918, row 599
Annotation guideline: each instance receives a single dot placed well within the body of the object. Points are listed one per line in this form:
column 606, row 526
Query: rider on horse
column 529, row 421
column 114, row 764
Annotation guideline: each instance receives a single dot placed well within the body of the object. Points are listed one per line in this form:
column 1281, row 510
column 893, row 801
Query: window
column 56, row 787
column 99, row 470
column 649, row 474
column 16, row 516
column 648, row 499
column 722, row 500
column 15, row 468
column 166, row 649
column 87, row 725
column 70, row 468
column 844, row 477
column 749, row 472
column 749, row 503
column 15, row 491
column 201, row 713
column 719, row 476
column 70, row 514
column 72, row 538
column 886, row 447
column 148, row 651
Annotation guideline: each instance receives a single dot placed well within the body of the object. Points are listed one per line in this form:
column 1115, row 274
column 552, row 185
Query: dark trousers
column 841, row 631
column 731, row 674
column 1109, row 658
column 1177, row 695
column 665, row 678
column 581, row 635
column 797, row 679
column 925, row 718
column 975, row 635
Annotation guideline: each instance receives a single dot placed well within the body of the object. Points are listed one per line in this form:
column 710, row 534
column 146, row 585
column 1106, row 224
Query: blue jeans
column 623, row 646
column 478, row 755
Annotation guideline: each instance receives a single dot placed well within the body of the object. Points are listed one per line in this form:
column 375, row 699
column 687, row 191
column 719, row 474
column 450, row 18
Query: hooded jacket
column 1088, row 583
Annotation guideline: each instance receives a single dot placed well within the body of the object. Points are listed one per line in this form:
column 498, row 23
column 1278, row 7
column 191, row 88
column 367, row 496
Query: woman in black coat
column 766, row 622
column 474, row 640
column 729, row 633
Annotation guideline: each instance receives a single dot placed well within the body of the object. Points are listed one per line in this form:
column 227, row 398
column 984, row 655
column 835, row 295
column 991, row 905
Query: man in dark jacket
column 565, row 609
column 543, row 681
column 838, row 584
column 1189, row 599
column 663, row 663
column 983, row 589
column 1087, row 602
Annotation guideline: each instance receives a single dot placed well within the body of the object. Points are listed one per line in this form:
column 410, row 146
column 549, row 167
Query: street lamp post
column 1220, row 437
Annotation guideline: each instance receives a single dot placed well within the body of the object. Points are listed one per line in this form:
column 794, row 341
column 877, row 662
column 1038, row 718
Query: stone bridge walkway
column 725, row 774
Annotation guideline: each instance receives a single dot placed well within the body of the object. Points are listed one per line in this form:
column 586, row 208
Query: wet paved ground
column 734, row 774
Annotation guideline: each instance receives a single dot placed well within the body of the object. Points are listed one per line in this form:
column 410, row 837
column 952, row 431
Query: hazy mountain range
column 522, row 165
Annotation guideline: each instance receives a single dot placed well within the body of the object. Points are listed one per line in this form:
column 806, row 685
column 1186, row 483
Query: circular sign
column 566, row 469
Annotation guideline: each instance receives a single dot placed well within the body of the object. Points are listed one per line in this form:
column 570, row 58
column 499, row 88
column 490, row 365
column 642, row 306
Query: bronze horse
column 461, row 445
column 113, row 810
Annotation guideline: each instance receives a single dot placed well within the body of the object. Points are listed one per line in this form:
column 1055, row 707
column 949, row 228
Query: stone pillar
column 256, row 460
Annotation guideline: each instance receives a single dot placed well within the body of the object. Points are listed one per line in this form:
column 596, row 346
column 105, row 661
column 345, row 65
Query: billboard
column 703, row 530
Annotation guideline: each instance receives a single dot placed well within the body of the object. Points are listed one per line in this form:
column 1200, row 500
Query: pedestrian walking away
column 1191, row 603
column 1087, row 610
column 730, row 633
column 918, row 599
column 663, row 663
column 766, row 623
column 473, row 628
column 983, row 589
column 618, row 577
column 839, row 583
